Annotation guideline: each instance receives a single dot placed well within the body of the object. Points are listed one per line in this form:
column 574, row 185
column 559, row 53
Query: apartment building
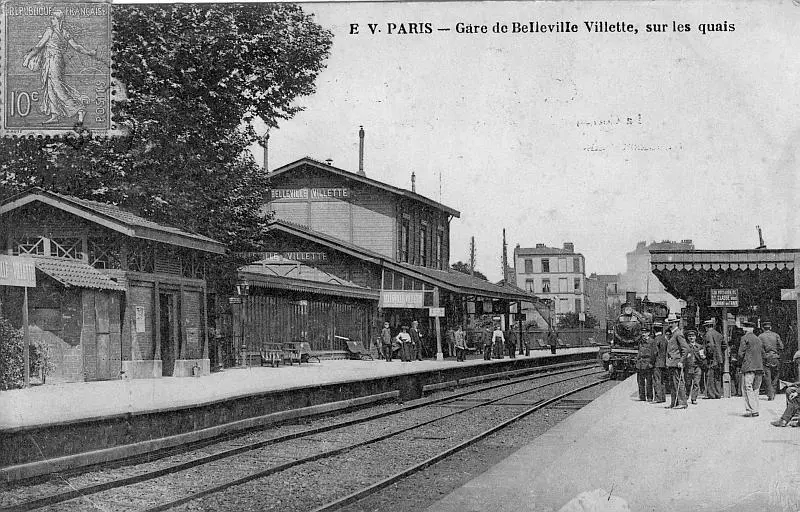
column 553, row 273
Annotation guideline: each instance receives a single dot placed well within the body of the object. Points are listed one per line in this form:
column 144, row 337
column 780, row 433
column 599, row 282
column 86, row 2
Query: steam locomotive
column 619, row 357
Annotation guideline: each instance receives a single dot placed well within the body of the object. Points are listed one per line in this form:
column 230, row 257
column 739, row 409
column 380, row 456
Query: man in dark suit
column 677, row 348
column 773, row 346
column 714, row 359
column 660, row 367
column 751, row 355
column 416, row 338
column 645, row 360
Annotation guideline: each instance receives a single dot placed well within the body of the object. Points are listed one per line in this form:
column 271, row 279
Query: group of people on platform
column 409, row 343
column 677, row 358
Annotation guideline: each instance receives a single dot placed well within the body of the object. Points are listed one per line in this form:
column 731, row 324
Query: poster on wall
column 139, row 318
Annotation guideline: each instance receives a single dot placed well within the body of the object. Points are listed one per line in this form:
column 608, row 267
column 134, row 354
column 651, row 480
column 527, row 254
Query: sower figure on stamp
column 645, row 360
column 773, row 346
column 59, row 99
column 715, row 362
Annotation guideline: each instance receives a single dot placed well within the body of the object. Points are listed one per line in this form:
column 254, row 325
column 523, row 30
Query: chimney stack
column 540, row 246
column 265, row 143
column 413, row 182
column 329, row 161
column 569, row 247
column 361, row 151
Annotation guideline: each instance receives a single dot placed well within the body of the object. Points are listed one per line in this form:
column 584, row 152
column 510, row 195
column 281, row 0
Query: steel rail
column 74, row 493
column 386, row 482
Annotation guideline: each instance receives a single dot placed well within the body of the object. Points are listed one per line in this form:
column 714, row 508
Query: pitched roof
column 115, row 218
column 283, row 273
column 76, row 273
column 449, row 279
column 362, row 179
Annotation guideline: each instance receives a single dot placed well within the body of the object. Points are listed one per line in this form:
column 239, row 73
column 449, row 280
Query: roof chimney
column 569, row 247
column 540, row 246
column 361, row 151
column 413, row 182
column 329, row 161
column 265, row 144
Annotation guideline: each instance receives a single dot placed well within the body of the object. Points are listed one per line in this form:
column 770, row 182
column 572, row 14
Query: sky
column 531, row 132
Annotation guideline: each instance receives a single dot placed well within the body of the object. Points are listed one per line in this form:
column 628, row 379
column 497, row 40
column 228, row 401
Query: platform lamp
column 242, row 291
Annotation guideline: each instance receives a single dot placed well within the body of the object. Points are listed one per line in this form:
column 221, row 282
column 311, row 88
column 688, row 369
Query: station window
column 545, row 286
column 423, row 252
column 529, row 266
column 404, row 241
column 439, row 250
column 545, row 265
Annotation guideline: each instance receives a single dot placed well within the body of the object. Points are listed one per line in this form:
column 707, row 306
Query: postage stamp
column 56, row 68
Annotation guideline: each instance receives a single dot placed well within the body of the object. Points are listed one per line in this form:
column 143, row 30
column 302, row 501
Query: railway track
column 236, row 457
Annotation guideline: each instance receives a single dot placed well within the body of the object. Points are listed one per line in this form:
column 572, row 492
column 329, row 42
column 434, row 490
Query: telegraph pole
column 472, row 256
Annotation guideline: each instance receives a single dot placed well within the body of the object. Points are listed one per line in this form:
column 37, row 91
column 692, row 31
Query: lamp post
column 242, row 291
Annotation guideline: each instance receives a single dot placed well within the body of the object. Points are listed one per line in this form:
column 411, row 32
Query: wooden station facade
column 388, row 241
column 116, row 295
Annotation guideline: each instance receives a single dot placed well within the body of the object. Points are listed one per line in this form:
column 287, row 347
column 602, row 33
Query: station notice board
column 724, row 298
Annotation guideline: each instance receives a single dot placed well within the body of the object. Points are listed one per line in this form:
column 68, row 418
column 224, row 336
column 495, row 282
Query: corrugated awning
column 755, row 259
column 76, row 273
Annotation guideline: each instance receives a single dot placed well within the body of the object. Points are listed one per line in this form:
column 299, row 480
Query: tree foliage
column 572, row 320
column 195, row 76
column 462, row 267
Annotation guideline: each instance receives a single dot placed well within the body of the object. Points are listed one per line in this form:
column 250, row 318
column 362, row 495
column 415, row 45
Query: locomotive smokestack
column 630, row 298
column 361, row 151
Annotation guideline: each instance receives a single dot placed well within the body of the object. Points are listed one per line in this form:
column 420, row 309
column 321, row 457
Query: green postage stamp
column 56, row 68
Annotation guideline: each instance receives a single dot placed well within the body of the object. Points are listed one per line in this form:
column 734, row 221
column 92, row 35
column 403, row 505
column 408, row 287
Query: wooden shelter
column 118, row 295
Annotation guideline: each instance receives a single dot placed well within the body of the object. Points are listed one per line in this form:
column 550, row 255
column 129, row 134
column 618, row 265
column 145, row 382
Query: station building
column 388, row 249
column 116, row 294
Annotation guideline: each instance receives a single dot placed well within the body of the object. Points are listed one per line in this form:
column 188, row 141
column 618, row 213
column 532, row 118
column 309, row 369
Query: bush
column 12, row 357
column 11, row 362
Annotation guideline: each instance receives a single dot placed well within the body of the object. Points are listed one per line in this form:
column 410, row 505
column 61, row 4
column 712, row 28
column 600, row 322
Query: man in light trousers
column 752, row 355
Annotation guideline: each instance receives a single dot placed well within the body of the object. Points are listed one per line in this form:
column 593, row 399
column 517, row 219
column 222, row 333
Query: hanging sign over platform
column 724, row 298
column 17, row 271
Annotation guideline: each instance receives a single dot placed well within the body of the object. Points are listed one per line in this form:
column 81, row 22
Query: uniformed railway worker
column 773, row 346
column 677, row 348
column 693, row 369
column 715, row 361
column 645, row 361
column 660, row 365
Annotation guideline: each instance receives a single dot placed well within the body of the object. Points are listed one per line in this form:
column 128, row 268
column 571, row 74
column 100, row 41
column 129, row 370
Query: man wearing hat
column 695, row 364
column 751, row 355
column 715, row 362
column 645, row 360
column 660, row 367
column 677, row 349
column 773, row 347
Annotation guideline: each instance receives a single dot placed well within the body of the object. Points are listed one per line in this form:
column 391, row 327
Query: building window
column 529, row 285
column 68, row 248
column 562, row 285
column 577, row 284
column 578, row 305
column 562, row 264
column 423, row 249
column 577, row 264
column 404, row 241
column 545, row 286
column 104, row 253
column 28, row 245
column 545, row 265
column 529, row 266
column 563, row 305
column 439, row 250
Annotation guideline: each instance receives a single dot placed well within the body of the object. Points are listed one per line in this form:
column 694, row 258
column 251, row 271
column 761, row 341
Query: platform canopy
column 759, row 275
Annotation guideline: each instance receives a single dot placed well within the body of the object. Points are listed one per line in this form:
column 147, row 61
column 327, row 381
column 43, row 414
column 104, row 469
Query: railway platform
column 57, row 427
column 620, row 454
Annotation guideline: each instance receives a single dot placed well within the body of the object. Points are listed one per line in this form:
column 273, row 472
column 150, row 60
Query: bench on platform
column 292, row 352
column 272, row 354
column 356, row 350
